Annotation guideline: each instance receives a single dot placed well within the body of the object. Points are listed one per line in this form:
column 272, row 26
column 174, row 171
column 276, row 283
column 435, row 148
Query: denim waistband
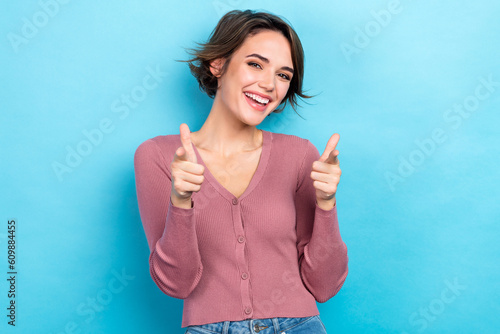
column 262, row 326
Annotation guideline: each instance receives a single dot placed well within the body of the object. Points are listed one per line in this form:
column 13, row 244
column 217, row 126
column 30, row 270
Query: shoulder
column 294, row 152
column 159, row 147
column 296, row 146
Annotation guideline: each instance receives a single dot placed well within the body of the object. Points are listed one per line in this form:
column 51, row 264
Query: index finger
column 333, row 158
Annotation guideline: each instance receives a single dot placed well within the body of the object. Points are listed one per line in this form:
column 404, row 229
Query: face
column 261, row 69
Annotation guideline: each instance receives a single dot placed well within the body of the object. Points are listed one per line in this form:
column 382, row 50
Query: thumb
column 187, row 145
column 329, row 153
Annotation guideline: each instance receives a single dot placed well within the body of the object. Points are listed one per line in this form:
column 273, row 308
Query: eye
column 252, row 63
column 286, row 77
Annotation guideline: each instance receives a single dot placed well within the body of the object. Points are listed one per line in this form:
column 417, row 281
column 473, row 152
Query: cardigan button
column 244, row 275
column 235, row 201
column 241, row 239
column 248, row 310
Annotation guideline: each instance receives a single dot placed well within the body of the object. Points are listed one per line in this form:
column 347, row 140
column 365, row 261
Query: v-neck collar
column 257, row 176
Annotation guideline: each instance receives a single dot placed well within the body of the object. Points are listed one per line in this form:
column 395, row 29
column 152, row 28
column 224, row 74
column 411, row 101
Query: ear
column 216, row 66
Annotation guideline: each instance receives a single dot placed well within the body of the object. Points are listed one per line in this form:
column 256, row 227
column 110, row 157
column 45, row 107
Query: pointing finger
column 333, row 158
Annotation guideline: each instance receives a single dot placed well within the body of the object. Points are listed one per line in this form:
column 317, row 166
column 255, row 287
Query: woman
column 241, row 222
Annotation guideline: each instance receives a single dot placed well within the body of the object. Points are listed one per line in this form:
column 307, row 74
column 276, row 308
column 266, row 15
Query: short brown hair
column 229, row 34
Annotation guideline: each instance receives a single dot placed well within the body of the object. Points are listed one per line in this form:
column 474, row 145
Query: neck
column 224, row 134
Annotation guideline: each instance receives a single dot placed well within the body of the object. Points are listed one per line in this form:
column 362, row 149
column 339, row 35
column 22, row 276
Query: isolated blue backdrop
column 412, row 87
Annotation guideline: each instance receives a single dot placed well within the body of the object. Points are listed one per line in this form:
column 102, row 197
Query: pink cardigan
column 272, row 252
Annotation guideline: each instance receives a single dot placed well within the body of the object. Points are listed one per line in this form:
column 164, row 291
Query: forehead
column 268, row 43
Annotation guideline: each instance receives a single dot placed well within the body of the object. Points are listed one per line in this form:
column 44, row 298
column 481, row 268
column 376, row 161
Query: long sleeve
column 174, row 262
column 322, row 253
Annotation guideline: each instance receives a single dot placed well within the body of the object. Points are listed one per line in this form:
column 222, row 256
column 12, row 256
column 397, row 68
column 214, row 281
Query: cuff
column 180, row 211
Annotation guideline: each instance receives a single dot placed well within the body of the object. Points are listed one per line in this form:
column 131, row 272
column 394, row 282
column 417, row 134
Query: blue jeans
column 306, row 325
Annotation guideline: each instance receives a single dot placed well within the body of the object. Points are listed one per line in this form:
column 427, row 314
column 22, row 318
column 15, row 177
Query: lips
column 263, row 96
column 254, row 104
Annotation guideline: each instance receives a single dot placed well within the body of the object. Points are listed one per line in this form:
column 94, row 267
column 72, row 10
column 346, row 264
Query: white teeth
column 257, row 98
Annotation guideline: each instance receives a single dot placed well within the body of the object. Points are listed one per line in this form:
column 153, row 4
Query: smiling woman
column 245, row 67
column 242, row 223
column 230, row 33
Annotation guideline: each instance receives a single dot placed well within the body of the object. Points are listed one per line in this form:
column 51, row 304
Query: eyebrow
column 264, row 59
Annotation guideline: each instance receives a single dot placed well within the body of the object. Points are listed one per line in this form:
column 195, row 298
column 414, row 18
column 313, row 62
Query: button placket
column 242, row 262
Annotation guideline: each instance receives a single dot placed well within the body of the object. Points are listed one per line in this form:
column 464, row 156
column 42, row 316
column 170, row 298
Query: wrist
column 186, row 203
column 326, row 204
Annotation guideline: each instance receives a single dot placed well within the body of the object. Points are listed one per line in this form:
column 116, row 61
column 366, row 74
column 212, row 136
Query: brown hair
column 229, row 34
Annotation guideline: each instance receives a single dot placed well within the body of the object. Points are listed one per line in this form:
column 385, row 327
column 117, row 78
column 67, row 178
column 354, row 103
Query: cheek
column 283, row 90
column 248, row 77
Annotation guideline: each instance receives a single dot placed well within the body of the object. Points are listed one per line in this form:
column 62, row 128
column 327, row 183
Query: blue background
column 418, row 197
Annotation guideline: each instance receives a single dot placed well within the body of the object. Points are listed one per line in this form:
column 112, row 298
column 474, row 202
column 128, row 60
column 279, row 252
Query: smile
column 260, row 100
column 255, row 104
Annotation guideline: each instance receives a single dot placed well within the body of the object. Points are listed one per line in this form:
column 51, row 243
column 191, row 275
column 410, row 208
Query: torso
column 235, row 172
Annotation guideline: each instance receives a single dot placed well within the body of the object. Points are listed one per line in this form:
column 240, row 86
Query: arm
column 322, row 252
column 174, row 262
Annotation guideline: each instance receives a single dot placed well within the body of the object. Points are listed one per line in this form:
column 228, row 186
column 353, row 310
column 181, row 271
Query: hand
column 187, row 174
column 326, row 172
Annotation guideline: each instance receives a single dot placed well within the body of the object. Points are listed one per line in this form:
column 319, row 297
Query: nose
column 267, row 82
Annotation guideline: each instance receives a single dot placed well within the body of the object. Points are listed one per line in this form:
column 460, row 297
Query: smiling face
column 260, row 69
